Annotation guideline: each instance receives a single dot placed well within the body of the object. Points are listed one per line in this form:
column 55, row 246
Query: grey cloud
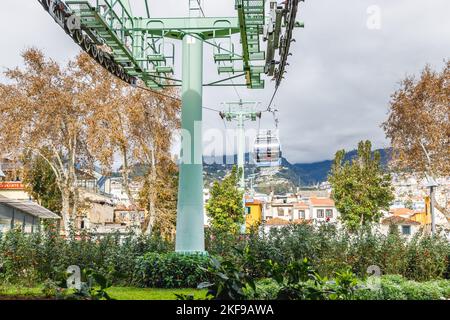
column 341, row 74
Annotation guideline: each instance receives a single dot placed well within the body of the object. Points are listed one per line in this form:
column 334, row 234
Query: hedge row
column 330, row 250
column 389, row 287
column 148, row 262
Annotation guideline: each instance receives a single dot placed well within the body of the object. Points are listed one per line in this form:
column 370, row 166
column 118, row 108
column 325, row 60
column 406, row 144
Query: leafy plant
column 229, row 281
column 170, row 270
column 94, row 288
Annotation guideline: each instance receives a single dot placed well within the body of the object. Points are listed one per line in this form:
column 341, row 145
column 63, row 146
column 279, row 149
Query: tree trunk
column 444, row 210
column 126, row 179
column 151, row 196
column 65, row 212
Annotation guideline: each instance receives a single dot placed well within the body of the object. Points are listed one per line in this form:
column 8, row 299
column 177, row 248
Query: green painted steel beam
column 176, row 28
column 190, row 225
column 251, row 15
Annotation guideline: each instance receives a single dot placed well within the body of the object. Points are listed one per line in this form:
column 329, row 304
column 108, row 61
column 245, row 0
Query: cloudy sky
column 345, row 64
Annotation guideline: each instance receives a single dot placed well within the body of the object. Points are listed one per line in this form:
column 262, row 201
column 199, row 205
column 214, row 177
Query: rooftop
column 322, row 202
column 399, row 220
column 401, row 212
column 283, row 222
column 30, row 207
column 301, row 205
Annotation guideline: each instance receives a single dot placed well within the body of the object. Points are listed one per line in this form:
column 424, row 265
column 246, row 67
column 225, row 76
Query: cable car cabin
column 267, row 150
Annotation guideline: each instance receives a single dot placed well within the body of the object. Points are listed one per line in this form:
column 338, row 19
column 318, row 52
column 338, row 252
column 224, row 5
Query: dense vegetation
column 280, row 256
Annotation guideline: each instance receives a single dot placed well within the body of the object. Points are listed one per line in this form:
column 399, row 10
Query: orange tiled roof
column 399, row 220
column 302, row 221
column 277, row 222
column 283, row 222
column 322, row 202
column 401, row 211
column 253, row 201
column 301, row 205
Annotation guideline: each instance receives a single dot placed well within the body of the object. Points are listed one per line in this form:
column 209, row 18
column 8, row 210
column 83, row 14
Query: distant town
column 109, row 209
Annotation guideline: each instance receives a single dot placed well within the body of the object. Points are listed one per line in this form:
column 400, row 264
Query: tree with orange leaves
column 79, row 115
column 419, row 126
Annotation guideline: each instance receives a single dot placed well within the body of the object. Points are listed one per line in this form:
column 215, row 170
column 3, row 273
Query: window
column 329, row 213
column 320, row 214
column 406, row 230
column 302, row 214
column 247, row 210
column 281, row 212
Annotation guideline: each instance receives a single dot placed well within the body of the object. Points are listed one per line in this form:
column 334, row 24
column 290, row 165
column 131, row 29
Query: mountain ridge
column 299, row 174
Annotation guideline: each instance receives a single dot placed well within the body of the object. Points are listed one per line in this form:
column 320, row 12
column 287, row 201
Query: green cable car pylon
column 137, row 49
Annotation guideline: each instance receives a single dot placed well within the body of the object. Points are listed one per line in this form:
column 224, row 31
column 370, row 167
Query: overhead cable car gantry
column 141, row 49
column 240, row 112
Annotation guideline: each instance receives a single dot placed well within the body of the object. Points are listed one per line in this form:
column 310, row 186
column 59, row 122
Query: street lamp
column 431, row 184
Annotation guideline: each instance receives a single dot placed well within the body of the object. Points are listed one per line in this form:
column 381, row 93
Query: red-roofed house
column 315, row 209
column 323, row 209
column 406, row 226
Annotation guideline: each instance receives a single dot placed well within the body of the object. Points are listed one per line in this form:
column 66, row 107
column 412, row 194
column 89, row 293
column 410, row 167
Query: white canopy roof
column 29, row 207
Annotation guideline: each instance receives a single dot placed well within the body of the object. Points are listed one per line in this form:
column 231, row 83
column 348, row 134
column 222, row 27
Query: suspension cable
column 217, row 46
column 269, row 107
column 158, row 93
column 200, row 7
column 171, row 97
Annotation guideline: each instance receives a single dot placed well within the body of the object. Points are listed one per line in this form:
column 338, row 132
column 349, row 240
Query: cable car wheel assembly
column 63, row 16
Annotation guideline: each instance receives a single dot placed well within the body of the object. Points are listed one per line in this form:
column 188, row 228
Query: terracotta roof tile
column 277, row 222
column 322, row 202
column 301, row 205
column 253, row 201
column 399, row 220
column 302, row 221
column 401, row 211
column 283, row 222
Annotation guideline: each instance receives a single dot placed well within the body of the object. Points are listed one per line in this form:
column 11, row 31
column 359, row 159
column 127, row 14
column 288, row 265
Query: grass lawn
column 20, row 291
column 121, row 293
column 118, row 293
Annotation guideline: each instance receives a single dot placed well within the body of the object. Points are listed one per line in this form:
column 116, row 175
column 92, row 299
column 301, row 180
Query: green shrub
column 444, row 285
column 266, row 289
column 170, row 270
column 427, row 258
column 392, row 290
column 421, row 291
column 31, row 259
column 396, row 287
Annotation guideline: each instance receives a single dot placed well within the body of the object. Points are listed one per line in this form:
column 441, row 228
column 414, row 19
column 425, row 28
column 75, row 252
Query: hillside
column 290, row 176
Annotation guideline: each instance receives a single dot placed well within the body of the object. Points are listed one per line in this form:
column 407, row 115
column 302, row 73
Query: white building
column 17, row 209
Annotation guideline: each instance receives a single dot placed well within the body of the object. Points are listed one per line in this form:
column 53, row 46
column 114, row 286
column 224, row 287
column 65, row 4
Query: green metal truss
column 251, row 21
column 138, row 45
